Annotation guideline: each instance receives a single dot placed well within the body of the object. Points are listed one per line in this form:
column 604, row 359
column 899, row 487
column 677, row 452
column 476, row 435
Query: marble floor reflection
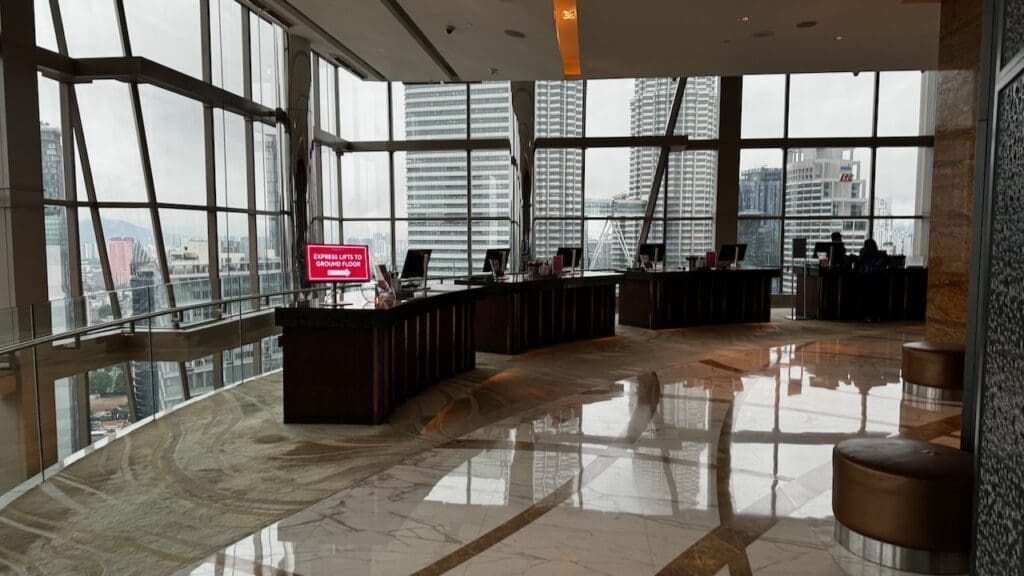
column 716, row 466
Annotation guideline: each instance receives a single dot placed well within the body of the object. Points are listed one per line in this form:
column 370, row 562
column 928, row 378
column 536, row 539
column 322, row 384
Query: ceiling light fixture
column 514, row 33
column 807, row 24
column 568, row 34
column 839, row 37
column 743, row 19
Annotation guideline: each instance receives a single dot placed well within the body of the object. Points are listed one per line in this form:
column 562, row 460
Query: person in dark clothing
column 837, row 258
column 871, row 280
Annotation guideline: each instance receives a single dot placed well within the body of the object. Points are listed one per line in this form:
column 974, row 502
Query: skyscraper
column 436, row 182
column 558, row 179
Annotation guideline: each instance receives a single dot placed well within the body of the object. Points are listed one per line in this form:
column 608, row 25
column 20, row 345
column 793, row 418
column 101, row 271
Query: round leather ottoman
column 933, row 370
column 903, row 503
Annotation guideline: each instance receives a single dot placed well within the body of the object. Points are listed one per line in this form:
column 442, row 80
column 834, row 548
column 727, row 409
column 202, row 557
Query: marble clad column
column 956, row 112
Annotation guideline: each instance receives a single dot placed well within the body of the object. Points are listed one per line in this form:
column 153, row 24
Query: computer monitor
column 416, row 262
column 571, row 256
column 498, row 255
column 730, row 253
column 824, row 247
column 654, row 252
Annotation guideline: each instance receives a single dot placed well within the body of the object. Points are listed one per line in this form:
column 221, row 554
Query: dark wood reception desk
column 354, row 364
column 519, row 314
column 693, row 297
column 842, row 294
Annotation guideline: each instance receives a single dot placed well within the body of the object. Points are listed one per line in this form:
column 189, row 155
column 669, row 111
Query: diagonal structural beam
column 661, row 168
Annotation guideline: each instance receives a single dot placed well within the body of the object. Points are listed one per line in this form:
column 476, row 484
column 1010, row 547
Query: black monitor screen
column 824, row 247
column 499, row 254
column 415, row 263
column 732, row 253
column 654, row 252
column 571, row 256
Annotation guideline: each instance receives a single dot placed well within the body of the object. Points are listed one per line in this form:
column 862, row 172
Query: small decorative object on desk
column 710, row 259
column 544, row 270
column 557, row 263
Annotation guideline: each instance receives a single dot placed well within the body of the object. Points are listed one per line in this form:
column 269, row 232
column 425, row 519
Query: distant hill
column 116, row 229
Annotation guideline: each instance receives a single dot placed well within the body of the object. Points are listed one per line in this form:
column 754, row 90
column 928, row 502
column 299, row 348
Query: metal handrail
column 12, row 348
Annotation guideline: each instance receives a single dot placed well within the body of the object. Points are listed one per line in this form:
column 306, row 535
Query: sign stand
column 799, row 251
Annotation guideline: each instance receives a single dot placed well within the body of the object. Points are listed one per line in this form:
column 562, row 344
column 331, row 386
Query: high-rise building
column 558, row 180
column 120, row 252
column 436, row 181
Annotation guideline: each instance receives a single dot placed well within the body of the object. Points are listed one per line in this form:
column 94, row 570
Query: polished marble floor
column 718, row 464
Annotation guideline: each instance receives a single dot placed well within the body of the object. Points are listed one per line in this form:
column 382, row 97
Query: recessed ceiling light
column 514, row 33
column 807, row 24
column 839, row 37
column 743, row 19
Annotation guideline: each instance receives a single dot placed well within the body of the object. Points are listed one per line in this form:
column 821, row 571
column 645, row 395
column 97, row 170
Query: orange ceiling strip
column 568, row 32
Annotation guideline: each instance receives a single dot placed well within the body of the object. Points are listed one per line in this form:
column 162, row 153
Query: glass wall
column 378, row 184
column 145, row 186
column 595, row 196
column 869, row 178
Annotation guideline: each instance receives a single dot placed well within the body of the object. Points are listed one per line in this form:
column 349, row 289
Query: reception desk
column 842, row 294
column 354, row 364
column 518, row 314
column 693, row 297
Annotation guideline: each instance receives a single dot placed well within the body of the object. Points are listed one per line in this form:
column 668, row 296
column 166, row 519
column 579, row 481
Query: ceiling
column 428, row 40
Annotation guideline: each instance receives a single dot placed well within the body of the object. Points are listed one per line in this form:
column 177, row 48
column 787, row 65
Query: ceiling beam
column 413, row 29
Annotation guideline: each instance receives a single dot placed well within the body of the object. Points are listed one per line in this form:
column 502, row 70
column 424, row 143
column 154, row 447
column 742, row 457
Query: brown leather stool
column 933, row 370
column 904, row 504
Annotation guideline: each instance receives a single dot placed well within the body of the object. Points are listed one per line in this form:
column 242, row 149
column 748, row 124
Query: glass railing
column 77, row 373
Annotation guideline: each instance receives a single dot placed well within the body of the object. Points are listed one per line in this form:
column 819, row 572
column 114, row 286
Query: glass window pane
column 329, row 182
column 45, row 35
column 903, row 237
column 831, row 182
column 327, row 97
column 188, row 252
column 692, row 183
column 839, row 104
column 270, row 250
column 492, row 183
column 233, row 250
column 854, row 232
column 227, row 68
column 490, row 110
column 611, row 242
column 688, row 238
column 51, row 138
column 332, row 232
column 447, row 239
column 113, row 144
column 92, row 272
column 763, row 238
column 903, row 181
column 490, row 234
column 764, row 106
column 375, row 234
column 364, row 107
column 365, row 184
column 131, row 248
column 58, row 266
column 906, row 103
column 177, row 150
column 267, row 157
column 108, row 401
column 617, row 181
column 698, row 117
column 550, row 235
column 429, row 111
column 238, row 364
column 435, row 184
column 229, row 158
column 760, row 182
column 609, row 101
column 199, row 374
column 265, row 75
column 558, row 182
column 91, row 28
column 558, row 108
column 166, row 31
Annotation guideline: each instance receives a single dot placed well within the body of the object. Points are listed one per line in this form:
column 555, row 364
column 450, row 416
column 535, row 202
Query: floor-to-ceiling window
column 836, row 152
column 415, row 166
column 595, row 162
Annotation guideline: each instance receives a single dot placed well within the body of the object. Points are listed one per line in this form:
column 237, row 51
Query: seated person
column 837, row 258
column 871, row 258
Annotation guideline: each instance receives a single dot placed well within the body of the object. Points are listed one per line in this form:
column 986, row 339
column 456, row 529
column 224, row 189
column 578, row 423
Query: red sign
column 337, row 263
